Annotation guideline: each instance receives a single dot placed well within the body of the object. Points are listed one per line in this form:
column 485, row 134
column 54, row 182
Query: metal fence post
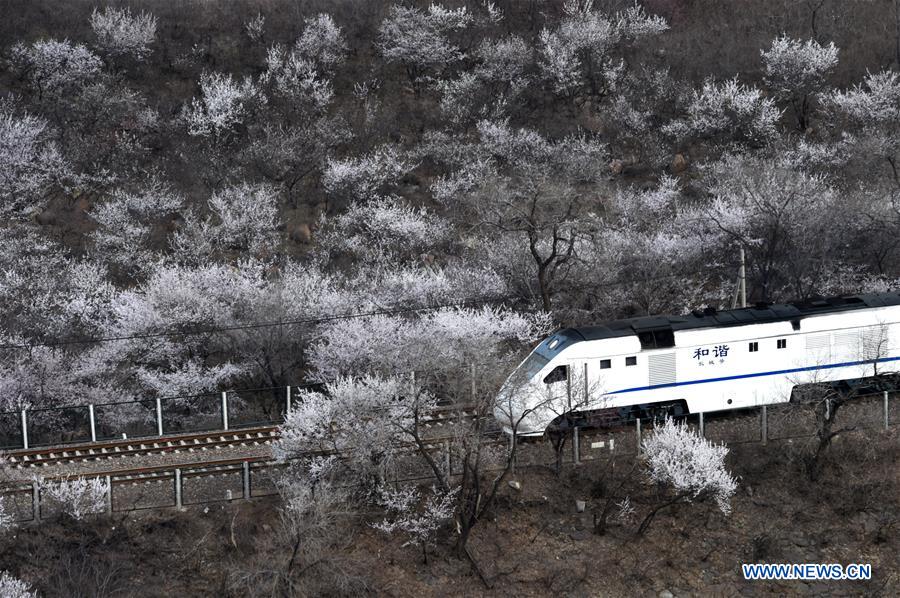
column 287, row 397
column 109, row 494
column 159, row 426
column 702, row 427
column 36, row 500
column 764, row 425
column 247, row 479
column 93, row 423
column 224, row 409
column 177, row 488
column 448, row 464
column 887, row 423
column 576, row 446
column 637, row 431
column 24, row 429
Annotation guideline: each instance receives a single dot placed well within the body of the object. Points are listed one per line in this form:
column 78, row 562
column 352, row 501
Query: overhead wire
column 336, row 317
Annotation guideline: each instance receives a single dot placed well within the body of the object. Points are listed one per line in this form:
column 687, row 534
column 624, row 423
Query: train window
column 782, row 343
column 559, row 374
column 605, row 364
column 754, row 347
column 631, row 360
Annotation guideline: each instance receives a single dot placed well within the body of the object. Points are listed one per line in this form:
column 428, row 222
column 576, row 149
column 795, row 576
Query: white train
column 704, row 362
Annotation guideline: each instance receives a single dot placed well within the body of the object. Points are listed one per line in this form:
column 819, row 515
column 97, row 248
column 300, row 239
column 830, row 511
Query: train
column 704, row 362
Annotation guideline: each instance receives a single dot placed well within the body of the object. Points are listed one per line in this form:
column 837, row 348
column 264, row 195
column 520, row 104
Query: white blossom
column 634, row 23
column 875, row 102
column 494, row 12
column 505, row 59
column 224, row 105
column 693, row 466
column 45, row 294
column 6, row 519
column 458, row 96
column 10, row 587
column 794, row 66
column 51, row 65
column 125, row 222
column 30, row 162
column 729, row 109
column 791, row 223
column 441, row 339
column 874, row 107
column 119, row 32
column 79, row 497
column 419, row 39
column 386, row 284
column 296, row 77
column 384, row 227
column 322, row 41
column 368, row 444
column 580, row 46
column 256, row 27
column 626, row 511
column 246, row 216
column 363, row 177
column 414, row 517
column 795, row 71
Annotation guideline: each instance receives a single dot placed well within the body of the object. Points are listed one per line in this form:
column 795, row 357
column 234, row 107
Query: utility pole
column 741, row 290
column 897, row 29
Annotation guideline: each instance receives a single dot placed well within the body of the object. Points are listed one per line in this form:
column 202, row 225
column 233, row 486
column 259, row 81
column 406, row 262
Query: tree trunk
column 645, row 524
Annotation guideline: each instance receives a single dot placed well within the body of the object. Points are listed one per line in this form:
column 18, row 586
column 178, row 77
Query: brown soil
column 533, row 544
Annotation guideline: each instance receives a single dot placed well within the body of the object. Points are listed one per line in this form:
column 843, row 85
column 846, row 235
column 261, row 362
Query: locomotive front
column 529, row 401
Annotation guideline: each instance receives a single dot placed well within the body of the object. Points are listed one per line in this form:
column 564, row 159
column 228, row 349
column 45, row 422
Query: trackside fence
column 156, row 488
column 145, row 419
column 878, row 412
column 169, row 486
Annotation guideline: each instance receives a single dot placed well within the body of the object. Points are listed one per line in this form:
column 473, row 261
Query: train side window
column 559, row 374
column 605, row 364
column 782, row 343
column 754, row 347
column 631, row 360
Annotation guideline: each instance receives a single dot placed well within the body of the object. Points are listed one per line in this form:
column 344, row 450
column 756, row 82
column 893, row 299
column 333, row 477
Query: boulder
column 616, row 166
column 300, row 233
column 45, row 217
column 679, row 164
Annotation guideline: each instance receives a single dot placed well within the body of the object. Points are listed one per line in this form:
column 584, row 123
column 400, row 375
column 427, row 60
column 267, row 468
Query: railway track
column 434, row 424
column 100, row 451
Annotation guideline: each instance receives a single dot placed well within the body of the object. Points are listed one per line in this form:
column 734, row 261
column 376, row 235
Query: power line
column 507, row 360
column 335, row 317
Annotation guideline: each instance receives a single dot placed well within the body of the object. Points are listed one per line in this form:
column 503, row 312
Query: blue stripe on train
column 757, row 375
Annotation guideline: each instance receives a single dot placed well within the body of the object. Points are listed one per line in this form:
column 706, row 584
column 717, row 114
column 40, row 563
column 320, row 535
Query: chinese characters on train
column 707, row 356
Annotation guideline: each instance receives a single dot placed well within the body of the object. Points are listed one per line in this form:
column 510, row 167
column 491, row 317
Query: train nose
column 513, row 412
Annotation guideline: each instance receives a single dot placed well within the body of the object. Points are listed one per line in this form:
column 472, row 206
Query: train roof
column 761, row 313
